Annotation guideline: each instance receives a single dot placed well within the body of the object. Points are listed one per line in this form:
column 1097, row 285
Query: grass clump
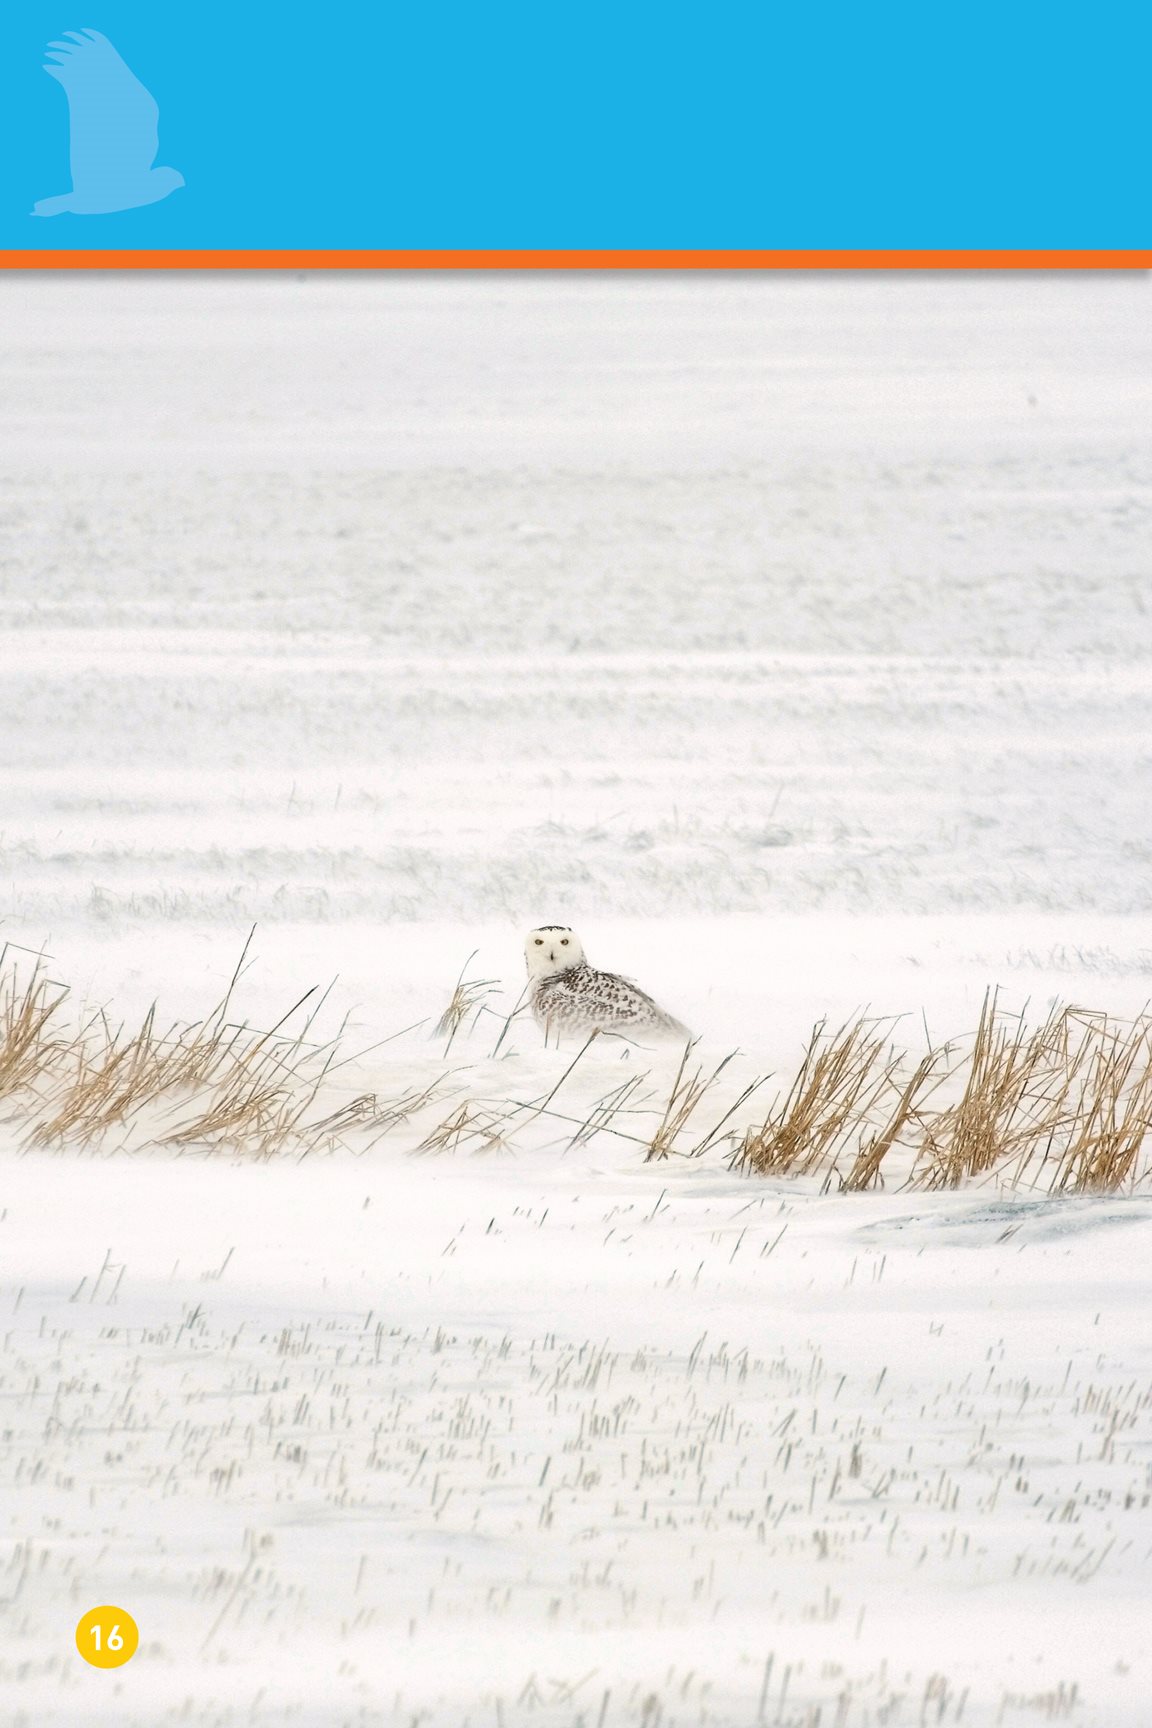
column 837, row 1082
column 32, row 1039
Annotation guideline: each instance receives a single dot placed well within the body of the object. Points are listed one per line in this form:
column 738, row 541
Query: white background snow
column 791, row 638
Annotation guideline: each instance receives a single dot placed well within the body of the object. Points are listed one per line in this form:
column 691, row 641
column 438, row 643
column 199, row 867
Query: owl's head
column 552, row 948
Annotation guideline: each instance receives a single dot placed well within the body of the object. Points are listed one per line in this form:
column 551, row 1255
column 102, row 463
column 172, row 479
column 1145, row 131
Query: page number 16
column 107, row 1637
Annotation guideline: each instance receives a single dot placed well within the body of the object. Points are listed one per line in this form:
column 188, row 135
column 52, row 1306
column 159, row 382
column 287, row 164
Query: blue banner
column 622, row 126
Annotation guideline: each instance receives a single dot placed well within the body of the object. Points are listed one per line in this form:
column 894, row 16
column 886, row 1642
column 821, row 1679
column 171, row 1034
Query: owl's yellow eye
column 563, row 941
column 539, row 941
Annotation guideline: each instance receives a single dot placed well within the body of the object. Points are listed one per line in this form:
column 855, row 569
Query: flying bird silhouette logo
column 113, row 131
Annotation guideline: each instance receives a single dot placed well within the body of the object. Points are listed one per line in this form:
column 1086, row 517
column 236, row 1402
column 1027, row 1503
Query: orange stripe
column 573, row 260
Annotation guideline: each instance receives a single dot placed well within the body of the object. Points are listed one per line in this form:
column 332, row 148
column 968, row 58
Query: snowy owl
column 568, row 995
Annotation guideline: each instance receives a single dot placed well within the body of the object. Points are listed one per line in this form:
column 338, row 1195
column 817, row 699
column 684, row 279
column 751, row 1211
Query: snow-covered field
column 792, row 639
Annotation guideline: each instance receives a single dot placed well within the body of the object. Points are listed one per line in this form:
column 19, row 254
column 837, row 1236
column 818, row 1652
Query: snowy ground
column 790, row 638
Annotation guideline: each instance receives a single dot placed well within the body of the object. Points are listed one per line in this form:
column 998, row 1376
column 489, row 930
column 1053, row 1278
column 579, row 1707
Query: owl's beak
column 551, row 953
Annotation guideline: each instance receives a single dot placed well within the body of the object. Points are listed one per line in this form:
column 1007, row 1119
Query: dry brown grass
column 1063, row 1107
column 376, row 1116
column 473, row 1126
column 996, row 1115
column 1067, row 1106
column 243, row 1088
column 466, row 1003
column 31, row 1040
column 112, row 1077
column 687, row 1094
column 265, row 1089
column 1115, row 1109
column 867, row 1165
column 839, row 1079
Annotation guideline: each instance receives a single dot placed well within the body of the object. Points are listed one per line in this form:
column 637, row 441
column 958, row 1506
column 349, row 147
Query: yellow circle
column 107, row 1637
